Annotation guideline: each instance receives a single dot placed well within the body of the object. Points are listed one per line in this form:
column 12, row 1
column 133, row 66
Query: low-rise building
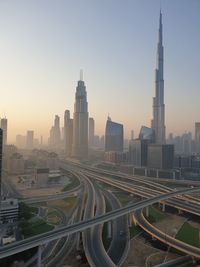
column 45, row 159
column 52, row 161
column 116, row 157
column 15, row 164
column 9, row 210
column 41, row 176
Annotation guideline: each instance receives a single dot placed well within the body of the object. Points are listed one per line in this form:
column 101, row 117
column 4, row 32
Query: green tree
column 24, row 211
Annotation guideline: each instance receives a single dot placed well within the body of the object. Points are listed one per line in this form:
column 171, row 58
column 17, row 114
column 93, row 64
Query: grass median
column 73, row 183
column 35, row 227
column 189, row 235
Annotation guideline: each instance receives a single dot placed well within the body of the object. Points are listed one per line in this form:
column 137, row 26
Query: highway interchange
column 89, row 214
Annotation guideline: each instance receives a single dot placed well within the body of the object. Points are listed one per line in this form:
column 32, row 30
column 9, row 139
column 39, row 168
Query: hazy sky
column 44, row 44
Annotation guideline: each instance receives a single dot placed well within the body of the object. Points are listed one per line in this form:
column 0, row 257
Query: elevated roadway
column 68, row 163
column 176, row 262
column 142, row 191
column 58, row 196
column 83, row 225
column 165, row 238
column 92, row 237
column 136, row 180
column 120, row 243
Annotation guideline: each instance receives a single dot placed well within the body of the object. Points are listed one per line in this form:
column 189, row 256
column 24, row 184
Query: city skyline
column 99, row 133
column 43, row 76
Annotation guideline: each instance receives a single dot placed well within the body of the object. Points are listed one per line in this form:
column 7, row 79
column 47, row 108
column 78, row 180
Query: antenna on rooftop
column 81, row 75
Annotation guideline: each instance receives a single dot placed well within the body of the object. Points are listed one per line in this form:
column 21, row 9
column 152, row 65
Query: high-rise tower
column 4, row 125
column 91, row 132
column 29, row 139
column 57, row 133
column 68, row 133
column 114, row 136
column 158, row 121
column 80, row 122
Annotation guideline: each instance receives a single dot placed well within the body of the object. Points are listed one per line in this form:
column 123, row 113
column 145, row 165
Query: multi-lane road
column 138, row 186
column 120, row 243
column 85, row 224
column 165, row 238
column 93, row 210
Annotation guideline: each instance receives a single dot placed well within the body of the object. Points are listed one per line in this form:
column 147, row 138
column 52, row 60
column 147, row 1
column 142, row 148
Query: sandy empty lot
column 140, row 252
column 32, row 192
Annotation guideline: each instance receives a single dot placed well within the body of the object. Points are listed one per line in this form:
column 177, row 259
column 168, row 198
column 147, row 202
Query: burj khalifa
column 158, row 121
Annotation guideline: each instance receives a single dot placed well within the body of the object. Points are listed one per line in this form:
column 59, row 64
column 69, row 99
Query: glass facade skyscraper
column 147, row 133
column 91, row 132
column 160, row 156
column 68, row 133
column 138, row 150
column 80, row 122
column 114, row 136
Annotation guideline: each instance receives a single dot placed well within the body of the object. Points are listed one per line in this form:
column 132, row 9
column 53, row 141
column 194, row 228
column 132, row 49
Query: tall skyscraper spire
column 158, row 122
column 81, row 75
column 80, row 122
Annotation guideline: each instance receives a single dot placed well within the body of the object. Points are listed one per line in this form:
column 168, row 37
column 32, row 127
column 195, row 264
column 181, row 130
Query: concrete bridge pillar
column 179, row 211
column 145, row 171
column 174, row 175
column 147, row 211
column 193, row 260
column 163, row 207
column 39, row 259
column 78, row 241
column 157, row 173
column 134, row 220
column 109, row 229
column 130, row 219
